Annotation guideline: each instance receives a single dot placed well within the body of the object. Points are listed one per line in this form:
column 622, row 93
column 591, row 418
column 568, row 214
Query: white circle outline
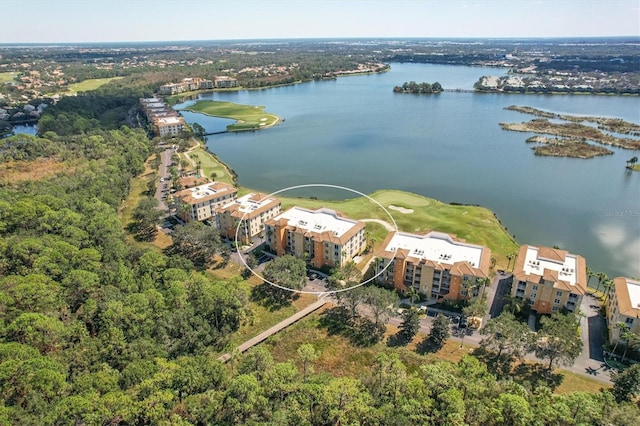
column 310, row 185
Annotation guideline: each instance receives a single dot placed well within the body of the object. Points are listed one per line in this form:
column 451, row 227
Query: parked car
column 463, row 322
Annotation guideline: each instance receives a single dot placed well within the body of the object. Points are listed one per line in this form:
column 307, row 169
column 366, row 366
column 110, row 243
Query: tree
column 476, row 308
column 146, row 217
column 507, row 335
column 628, row 337
column 381, row 303
column 440, row 332
column 197, row 242
column 608, row 286
column 410, row 325
column 286, row 271
column 351, row 299
column 601, row 278
column 626, row 384
column 622, row 329
column 308, row 354
column 558, row 340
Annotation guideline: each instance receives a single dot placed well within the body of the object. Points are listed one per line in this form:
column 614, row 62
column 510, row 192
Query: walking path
column 387, row 225
column 276, row 328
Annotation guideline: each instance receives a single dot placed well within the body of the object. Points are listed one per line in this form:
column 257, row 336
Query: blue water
column 355, row 132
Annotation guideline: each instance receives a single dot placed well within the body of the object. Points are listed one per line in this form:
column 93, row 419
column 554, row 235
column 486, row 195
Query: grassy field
column 248, row 117
column 88, row 85
column 7, row 76
column 210, row 165
column 340, row 358
column 473, row 224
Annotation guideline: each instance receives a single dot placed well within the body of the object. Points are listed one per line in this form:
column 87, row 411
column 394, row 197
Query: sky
column 70, row 21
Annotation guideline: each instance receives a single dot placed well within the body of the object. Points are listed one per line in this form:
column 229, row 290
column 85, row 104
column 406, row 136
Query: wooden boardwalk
column 276, row 328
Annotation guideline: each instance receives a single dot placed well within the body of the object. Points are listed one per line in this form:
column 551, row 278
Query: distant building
column 623, row 305
column 435, row 264
column 323, row 237
column 246, row 214
column 549, row 279
column 224, row 82
column 206, row 84
column 199, row 203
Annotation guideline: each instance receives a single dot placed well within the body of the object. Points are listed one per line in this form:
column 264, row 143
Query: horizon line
column 56, row 43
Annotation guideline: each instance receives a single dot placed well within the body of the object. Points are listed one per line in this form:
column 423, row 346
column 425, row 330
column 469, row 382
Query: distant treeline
column 413, row 87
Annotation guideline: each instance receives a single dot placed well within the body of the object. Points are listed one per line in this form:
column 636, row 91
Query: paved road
column 164, row 187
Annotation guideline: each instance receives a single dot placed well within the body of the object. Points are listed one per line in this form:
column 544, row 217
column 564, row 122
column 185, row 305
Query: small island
column 570, row 137
column 566, row 147
column 418, row 88
column 248, row 117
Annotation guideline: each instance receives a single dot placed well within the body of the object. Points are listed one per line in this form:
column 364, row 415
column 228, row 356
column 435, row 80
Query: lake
column 355, row 132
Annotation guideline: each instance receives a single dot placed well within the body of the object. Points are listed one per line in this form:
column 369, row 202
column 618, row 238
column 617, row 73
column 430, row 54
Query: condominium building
column 549, row 279
column 199, row 203
column 169, row 126
column 322, row 236
column 623, row 305
column 435, row 264
column 247, row 215
column 166, row 121
column 223, row 82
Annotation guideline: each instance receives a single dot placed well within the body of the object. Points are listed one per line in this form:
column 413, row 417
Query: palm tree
column 628, row 337
column 493, row 261
column 590, row 274
column 512, row 303
column 509, row 257
column 601, row 277
column 608, row 285
column 623, row 328
column 412, row 293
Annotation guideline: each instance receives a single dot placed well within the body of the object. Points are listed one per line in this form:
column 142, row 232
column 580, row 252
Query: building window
column 628, row 321
column 534, row 295
column 558, row 293
column 555, row 309
column 556, row 301
column 535, row 287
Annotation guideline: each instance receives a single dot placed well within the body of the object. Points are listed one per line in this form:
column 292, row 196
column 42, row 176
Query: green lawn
column 248, row 117
column 88, row 85
column 211, row 165
column 7, row 76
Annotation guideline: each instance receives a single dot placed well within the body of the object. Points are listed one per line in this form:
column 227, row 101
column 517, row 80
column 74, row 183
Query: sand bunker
column 400, row 209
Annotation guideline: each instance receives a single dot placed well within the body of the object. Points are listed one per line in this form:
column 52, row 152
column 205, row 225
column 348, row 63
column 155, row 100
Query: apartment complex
column 322, row 236
column 166, row 121
column 200, row 202
column 435, row 264
column 623, row 305
column 549, row 279
column 186, row 85
column 197, row 83
column 246, row 214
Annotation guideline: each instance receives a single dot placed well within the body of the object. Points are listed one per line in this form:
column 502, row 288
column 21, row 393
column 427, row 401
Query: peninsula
column 248, row 117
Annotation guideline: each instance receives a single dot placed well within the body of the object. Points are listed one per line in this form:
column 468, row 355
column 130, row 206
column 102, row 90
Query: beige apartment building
column 435, row 264
column 323, row 237
column 549, row 279
column 623, row 305
column 199, row 203
column 247, row 215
